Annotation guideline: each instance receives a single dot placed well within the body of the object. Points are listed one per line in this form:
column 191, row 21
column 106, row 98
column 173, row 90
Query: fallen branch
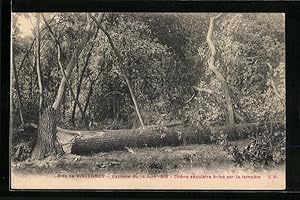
column 212, row 92
column 209, row 91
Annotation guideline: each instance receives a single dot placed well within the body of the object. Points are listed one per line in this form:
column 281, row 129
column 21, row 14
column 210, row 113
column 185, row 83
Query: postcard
column 143, row 100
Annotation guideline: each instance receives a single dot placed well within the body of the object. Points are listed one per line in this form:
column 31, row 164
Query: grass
column 145, row 160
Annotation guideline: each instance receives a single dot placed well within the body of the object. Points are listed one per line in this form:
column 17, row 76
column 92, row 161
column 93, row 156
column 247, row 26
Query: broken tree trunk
column 88, row 142
column 113, row 140
column 47, row 143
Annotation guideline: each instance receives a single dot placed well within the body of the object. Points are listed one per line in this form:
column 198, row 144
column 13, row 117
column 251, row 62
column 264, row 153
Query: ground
column 145, row 160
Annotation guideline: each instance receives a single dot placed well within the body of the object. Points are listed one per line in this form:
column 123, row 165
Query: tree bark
column 68, row 71
column 47, row 143
column 218, row 74
column 70, row 88
column 38, row 67
column 120, row 58
column 64, row 73
column 89, row 142
column 87, row 101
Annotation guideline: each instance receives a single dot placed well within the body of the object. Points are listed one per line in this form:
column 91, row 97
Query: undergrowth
column 265, row 149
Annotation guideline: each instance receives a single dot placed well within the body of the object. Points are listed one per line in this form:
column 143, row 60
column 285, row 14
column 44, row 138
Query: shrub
column 267, row 148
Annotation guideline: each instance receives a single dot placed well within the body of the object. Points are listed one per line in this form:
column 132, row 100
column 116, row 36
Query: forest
column 147, row 91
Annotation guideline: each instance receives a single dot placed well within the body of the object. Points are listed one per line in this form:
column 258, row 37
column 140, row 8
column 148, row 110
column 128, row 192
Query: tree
column 121, row 60
column 47, row 143
column 38, row 67
column 80, row 83
column 152, row 136
column 220, row 77
column 63, row 71
column 131, row 73
column 17, row 89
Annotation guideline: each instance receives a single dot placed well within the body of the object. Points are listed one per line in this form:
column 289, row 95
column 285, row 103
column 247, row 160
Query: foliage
column 265, row 149
column 245, row 43
column 164, row 55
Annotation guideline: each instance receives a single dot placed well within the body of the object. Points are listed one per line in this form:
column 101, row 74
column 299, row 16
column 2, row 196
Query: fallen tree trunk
column 114, row 140
column 88, row 142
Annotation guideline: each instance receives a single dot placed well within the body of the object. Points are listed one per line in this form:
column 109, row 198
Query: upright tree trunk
column 70, row 88
column 33, row 70
column 15, row 71
column 120, row 58
column 65, row 76
column 17, row 89
column 38, row 67
column 211, row 66
column 134, row 102
column 64, row 107
column 78, row 90
column 80, row 81
column 47, row 143
column 87, row 102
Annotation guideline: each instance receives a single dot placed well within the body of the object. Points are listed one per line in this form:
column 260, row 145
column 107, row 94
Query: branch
column 212, row 92
column 218, row 74
column 121, row 60
column 107, row 35
column 26, row 55
column 239, row 117
column 209, row 35
column 61, row 66
column 113, row 92
column 70, row 66
column 50, row 30
column 209, row 91
column 193, row 96
column 68, row 83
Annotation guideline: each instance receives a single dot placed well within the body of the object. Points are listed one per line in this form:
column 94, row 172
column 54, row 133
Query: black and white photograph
column 147, row 100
